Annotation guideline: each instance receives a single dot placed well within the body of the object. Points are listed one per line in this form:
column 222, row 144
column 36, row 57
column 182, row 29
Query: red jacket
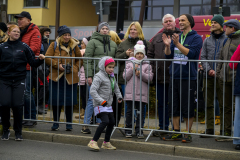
column 33, row 39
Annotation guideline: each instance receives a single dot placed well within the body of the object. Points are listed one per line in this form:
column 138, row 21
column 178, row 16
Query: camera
column 67, row 68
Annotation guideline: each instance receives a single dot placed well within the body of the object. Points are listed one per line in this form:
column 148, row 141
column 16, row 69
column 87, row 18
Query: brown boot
column 82, row 113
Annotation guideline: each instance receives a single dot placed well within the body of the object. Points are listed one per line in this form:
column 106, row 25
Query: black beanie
column 62, row 30
column 3, row 27
column 190, row 19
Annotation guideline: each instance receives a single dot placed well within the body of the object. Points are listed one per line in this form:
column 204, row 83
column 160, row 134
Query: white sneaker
column 108, row 145
column 93, row 144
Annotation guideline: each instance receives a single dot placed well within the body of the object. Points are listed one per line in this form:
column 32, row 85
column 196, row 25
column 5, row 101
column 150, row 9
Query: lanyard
column 183, row 40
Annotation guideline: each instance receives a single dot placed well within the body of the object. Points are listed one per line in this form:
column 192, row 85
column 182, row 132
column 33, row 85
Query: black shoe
column 173, row 137
column 18, row 137
column 208, row 131
column 30, row 124
column 128, row 135
column 5, row 135
column 69, row 127
column 237, row 147
column 140, row 136
column 85, row 130
column 23, row 122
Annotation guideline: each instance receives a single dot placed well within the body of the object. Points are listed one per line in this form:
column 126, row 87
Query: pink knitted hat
column 109, row 60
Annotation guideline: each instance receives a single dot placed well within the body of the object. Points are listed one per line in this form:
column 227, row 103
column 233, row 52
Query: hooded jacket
column 121, row 54
column 98, row 47
column 101, row 89
column 14, row 56
column 33, row 39
column 147, row 76
column 193, row 42
column 65, row 52
column 226, row 53
column 210, row 51
column 156, row 51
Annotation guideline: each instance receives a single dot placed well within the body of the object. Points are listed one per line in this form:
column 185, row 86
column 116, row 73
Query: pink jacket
column 146, row 74
column 235, row 57
column 81, row 73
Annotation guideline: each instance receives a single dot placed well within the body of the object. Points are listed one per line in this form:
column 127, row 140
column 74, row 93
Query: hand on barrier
column 104, row 103
column 41, row 57
column 211, row 73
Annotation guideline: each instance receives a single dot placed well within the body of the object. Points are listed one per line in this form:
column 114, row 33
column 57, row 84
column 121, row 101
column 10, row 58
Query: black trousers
column 83, row 95
column 108, row 121
column 41, row 94
column 117, row 109
column 57, row 112
column 129, row 116
column 12, row 96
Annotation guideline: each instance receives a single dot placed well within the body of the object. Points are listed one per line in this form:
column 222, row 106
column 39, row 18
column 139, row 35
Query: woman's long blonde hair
column 114, row 37
column 61, row 41
column 139, row 30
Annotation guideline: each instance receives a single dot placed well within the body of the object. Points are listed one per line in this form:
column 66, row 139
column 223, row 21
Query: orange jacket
column 33, row 39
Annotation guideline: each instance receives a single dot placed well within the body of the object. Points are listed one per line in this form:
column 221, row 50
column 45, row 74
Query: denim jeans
column 161, row 112
column 89, row 109
column 236, row 132
column 29, row 111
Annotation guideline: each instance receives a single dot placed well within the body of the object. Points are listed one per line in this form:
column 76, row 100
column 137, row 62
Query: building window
column 36, row 3
column 156, row 9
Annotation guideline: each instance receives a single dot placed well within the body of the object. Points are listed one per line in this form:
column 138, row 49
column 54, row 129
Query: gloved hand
column 104, row 103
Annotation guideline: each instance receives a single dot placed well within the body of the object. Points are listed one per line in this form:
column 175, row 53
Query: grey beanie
column 103, row 24
column 233, row 23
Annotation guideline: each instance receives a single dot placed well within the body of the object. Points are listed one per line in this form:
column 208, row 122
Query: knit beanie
column 139, row 47
column 219, row 19
column 103, row 24
column 121, row 36
column 3, row 27
column 85, row 41
column 190, row 19
column 62, row 30
column 109, row 60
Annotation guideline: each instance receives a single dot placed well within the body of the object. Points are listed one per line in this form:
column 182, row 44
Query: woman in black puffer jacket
column 14, row 56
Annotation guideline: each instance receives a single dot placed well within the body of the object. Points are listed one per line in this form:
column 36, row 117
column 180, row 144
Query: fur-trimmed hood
column 74, row 43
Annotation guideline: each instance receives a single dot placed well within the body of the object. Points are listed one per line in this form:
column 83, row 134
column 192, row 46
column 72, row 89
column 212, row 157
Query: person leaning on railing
column 63, row 75
column 14, row 56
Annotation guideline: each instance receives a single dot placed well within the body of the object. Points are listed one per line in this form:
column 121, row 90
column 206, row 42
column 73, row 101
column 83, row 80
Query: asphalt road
column 36, row 150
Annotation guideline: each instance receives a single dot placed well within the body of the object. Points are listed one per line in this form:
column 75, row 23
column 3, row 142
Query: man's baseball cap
column 24, row 14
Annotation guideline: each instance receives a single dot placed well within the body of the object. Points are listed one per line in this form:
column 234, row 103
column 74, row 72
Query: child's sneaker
column 108, row 145
column 93, row 144
column 173, row 137
column 187, row 138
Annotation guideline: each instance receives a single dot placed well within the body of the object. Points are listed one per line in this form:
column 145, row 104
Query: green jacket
column 121, row 54
column 98, row 47
column 225, row 54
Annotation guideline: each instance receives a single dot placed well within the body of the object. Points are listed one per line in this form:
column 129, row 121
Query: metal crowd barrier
column 148, row 128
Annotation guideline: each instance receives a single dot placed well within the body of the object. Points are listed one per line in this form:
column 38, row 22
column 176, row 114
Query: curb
column 193, row 152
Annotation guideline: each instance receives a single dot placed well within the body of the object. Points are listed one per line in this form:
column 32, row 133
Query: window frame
column 42, row 4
